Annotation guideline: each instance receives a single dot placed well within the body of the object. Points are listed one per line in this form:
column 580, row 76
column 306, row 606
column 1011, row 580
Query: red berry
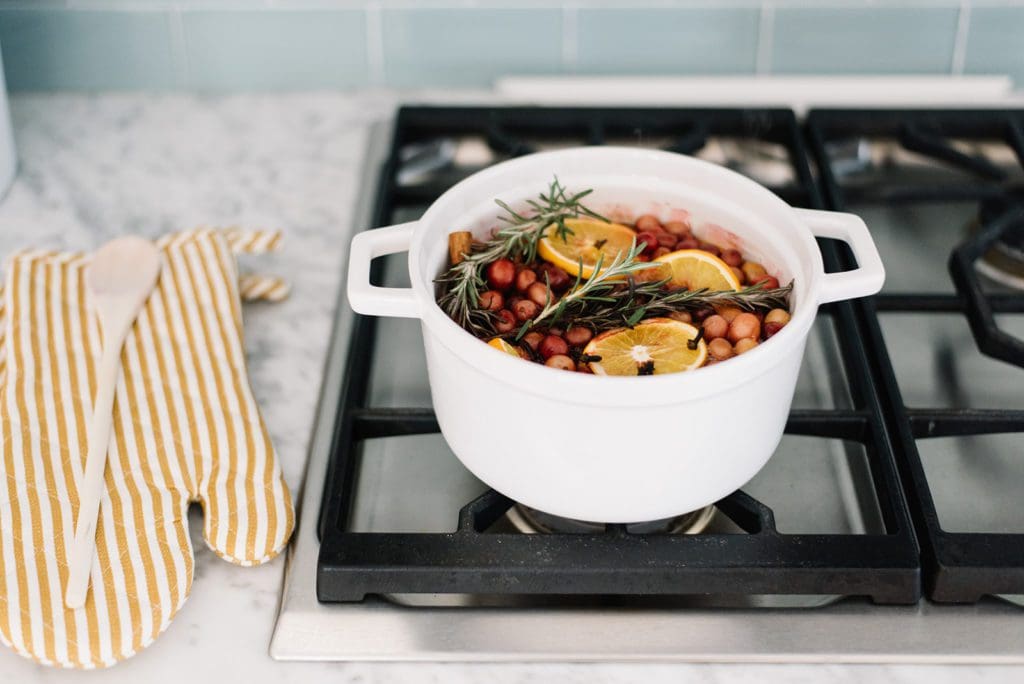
column 708, row 247
column 524, row 310
column 649, row 239
column 770, row 282
column 491, row 300
column 501, row 273
column 667, row 240
column 770, row 328
column 505, row 322
column 556, row 277
column 680, row 229
column 648, row 222
column 732, row 257
column 552, row 346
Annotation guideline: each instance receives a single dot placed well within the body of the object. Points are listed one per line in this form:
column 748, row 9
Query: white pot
column 616, row 449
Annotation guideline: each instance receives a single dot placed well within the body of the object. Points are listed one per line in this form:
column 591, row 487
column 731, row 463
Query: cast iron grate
column 352, row 565
column 958, row 566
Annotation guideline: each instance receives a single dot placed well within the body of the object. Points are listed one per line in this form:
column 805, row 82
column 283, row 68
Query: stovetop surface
column 898, row 475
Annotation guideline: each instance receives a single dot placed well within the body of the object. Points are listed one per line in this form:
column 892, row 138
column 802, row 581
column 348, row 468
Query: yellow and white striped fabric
column 186, row 429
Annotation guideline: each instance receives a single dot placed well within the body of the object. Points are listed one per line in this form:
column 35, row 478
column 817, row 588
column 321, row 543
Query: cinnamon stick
column 460, row 243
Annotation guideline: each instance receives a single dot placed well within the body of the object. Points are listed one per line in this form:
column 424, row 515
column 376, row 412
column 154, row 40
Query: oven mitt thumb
column 186, row 429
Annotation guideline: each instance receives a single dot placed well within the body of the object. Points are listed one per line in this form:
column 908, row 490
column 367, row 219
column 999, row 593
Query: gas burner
column 531, row 521
column 1004, row 262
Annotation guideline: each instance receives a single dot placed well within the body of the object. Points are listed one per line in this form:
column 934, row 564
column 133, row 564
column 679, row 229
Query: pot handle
column 869, row 275
column 371, row 299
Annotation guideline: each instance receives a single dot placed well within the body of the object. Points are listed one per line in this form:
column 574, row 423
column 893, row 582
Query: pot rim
column 739, row 201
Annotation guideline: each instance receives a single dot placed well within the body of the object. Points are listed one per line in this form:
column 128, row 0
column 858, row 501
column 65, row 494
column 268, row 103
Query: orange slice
column 503, row 346
column 696, row 269
column 654, row 347
column 590, row 240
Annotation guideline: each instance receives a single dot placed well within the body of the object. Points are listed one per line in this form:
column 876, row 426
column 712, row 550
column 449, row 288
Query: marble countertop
column 92, row 167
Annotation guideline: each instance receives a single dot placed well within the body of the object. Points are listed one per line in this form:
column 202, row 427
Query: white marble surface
column 93, row 167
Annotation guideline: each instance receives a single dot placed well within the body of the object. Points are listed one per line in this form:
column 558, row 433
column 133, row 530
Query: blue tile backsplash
column 468, row 46
column 286, row 50
column 678, row 40
column 57, row 49
column 257, row 45
column 995, row 43
column 864, row 40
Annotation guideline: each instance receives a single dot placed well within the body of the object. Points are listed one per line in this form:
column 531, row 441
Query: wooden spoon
column 119, row 279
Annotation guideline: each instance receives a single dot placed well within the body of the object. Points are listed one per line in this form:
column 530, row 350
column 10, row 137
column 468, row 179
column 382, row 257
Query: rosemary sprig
column 604, row 301
column 462, row 284
column 610, row 297
column 594, row 290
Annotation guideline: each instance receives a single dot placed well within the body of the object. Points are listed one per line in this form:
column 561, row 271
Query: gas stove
column 886, row 527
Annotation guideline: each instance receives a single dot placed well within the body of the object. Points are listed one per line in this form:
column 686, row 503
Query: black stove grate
column 958, row 566
column 352, row 565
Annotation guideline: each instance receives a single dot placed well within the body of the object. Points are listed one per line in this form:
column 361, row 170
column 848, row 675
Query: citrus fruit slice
column 654, row 347
column 589, row 240
column 696, row 269
column 503, row 346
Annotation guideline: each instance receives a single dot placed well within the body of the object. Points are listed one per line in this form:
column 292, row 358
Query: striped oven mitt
column 186, row 429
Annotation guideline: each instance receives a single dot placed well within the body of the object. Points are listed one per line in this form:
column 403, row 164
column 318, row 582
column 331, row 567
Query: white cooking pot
column 616, row 449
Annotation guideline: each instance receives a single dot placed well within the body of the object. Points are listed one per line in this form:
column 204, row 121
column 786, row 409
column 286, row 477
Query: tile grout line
column 163, row 5
column 570, row 38
column 963, row 24
column 374, row 44
column 179, row 50
column 765, row 39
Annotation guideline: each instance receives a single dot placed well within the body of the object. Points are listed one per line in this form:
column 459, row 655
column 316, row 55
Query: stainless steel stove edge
column 847, row 632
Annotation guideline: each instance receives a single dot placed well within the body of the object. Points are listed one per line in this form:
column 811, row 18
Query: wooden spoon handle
column 83, row 549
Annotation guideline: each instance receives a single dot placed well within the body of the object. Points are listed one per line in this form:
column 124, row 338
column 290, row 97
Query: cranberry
column 772, row 327
column 578, row 335
column 667, row 240
column 720, row 349
column 532, row 339
column 744, row 345
column 754, row 271
column 687, row 243
column 525, row 278
column 524, row 310
column 715, row 326
column 561, row 362
column 491, row 300
column 780, row 316
column 700, row 314
column 680, row 229
column 728, row 312
column 649, row 239
column 709, row 247
column 744, row 325
column 505, row 322
column 732, row 257
column 556, row 277
column 648, row 222
column 740, row 278
column 500, row 274
column 769, row 282
column 552, row 345
column 539, row 293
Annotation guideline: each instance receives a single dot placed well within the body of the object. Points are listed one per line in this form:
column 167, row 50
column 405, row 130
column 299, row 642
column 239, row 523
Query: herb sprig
column 518, row 237
column 609, row 297
column 612, row 297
